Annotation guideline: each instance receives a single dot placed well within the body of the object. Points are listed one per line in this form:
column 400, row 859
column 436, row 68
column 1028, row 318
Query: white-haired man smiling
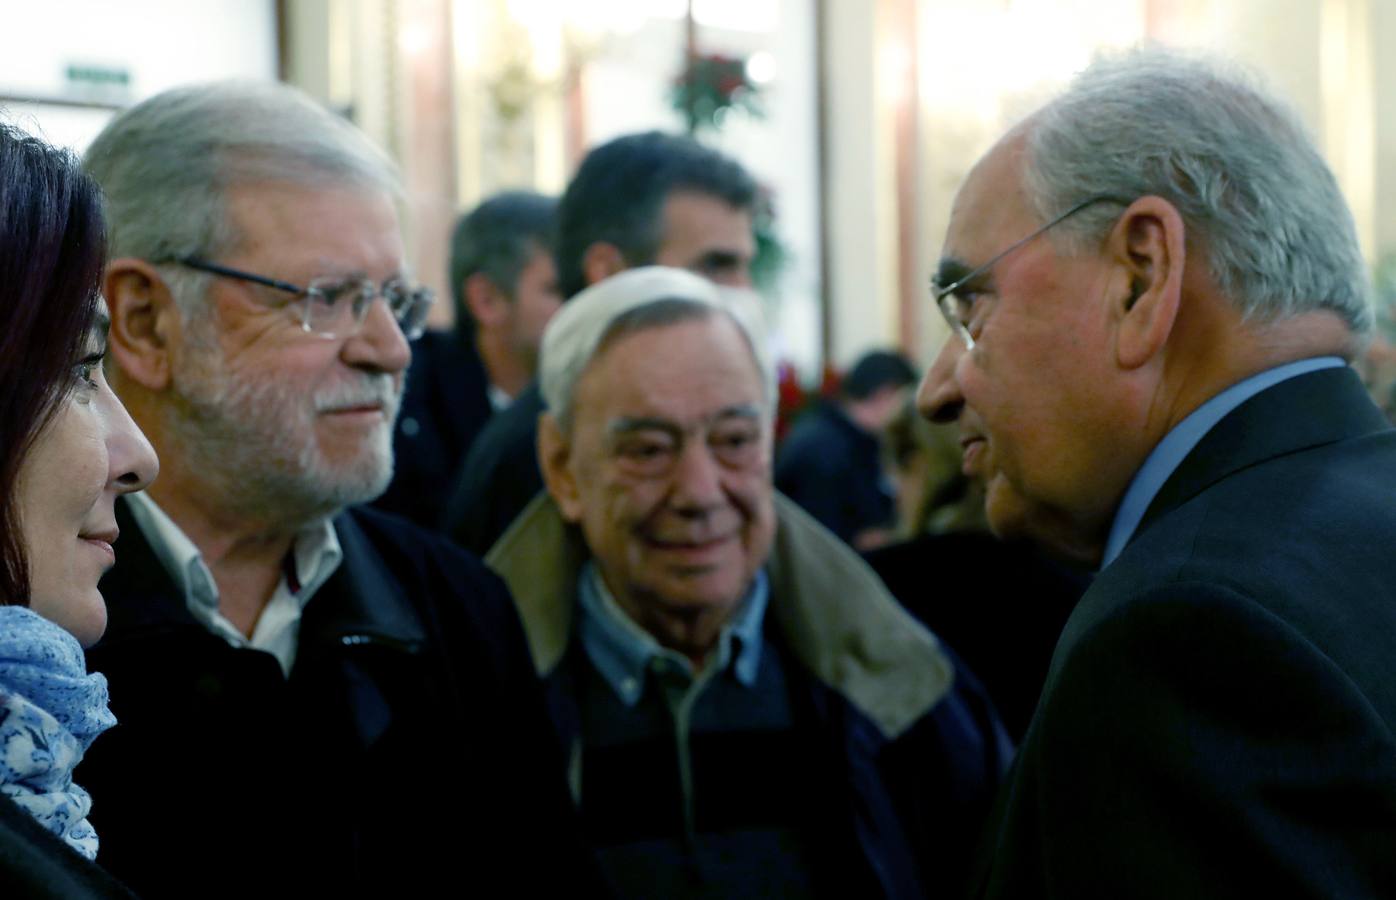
column 749, row 713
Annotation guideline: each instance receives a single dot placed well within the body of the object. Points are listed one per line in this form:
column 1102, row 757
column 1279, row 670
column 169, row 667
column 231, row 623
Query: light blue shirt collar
column 622, row 651
column 1170, row 452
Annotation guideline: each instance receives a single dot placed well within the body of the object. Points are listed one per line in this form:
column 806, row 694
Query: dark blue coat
column 1219, row 719
column 833, row 469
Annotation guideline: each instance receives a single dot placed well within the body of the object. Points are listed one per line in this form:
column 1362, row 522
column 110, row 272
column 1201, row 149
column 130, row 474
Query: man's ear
column 1149, row 244
column 554, row 456
column 144, row 319
column 487, row 303
column 602, row 260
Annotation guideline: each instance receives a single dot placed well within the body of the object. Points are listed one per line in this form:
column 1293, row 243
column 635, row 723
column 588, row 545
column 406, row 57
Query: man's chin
column 697, row 594
column 350, row 478
column 1013, row 517
column 325, row 489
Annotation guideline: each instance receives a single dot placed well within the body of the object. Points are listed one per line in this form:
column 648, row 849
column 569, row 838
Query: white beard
column 254, row 443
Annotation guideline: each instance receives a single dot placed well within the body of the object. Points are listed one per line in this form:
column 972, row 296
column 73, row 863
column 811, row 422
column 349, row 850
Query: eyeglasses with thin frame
column 328, row 305
column 957, row 310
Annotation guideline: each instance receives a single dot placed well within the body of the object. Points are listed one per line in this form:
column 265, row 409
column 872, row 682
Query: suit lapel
column 1305, row 411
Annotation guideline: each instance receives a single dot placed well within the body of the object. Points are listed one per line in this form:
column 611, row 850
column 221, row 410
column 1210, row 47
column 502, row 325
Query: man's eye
column 964, row 304
column 644, row 451
column 331, row 293
column 737, row 446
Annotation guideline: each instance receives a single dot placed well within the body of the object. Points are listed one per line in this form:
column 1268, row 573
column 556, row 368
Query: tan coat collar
column 834, row 613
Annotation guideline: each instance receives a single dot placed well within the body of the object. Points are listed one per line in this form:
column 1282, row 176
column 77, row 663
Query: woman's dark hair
column 52, row 249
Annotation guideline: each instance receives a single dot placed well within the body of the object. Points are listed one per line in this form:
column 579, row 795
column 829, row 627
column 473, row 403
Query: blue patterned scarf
column 50, row 712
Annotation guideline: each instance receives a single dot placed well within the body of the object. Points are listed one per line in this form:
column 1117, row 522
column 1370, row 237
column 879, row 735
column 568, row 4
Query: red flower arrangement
column 711, row 85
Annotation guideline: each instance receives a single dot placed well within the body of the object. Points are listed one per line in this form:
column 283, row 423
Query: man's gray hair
column 166, row 164
column 636, row 300
column 1236, row 162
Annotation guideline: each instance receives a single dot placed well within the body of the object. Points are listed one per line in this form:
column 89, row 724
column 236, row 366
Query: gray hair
column 167, row 163
column 1236, row 162
column 637, row 300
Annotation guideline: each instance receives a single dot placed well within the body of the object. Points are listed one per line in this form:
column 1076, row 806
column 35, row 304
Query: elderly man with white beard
column 312, row 697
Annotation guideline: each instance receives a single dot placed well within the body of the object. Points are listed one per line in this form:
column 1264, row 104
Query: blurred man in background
column 504, row 288
column 831, row 463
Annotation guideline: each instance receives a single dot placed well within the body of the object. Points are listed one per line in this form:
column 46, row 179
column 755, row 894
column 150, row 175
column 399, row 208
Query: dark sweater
column 750, row 830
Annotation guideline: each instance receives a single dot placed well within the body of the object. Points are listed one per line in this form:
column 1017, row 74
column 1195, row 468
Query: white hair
column 166, row 164
column 585, row 322
column 1235, row 161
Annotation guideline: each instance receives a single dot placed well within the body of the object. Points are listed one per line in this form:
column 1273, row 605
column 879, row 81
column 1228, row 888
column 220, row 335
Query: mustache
column 368, row 389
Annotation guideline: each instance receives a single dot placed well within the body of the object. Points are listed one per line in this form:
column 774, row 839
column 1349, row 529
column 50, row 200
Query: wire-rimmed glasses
column 957, row 309
column 335, row 307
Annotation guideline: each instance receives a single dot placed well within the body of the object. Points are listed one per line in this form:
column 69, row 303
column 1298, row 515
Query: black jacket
column 409, row 747
column 444, row 406
column 1220, row 716
column 1000, row 604
column 499, row 477
column 34, row 863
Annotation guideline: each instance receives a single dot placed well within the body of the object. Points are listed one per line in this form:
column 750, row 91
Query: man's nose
column 939, row 398
column 379, row 344
column 697, row 478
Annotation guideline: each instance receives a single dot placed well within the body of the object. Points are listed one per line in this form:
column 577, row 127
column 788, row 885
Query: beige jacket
column 832, row 611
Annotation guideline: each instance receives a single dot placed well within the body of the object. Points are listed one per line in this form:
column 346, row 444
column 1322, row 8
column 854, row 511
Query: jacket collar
column 360, row 599
column 833, row 612
column 365, row 600
column 1299, row 413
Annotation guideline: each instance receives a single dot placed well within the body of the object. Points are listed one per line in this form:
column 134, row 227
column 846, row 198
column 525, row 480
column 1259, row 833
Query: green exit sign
column 98, row 76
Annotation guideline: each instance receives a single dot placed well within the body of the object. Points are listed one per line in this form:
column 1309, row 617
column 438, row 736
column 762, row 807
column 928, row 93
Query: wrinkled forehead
column 345, row 228
column 991, row 208
column 690, row 367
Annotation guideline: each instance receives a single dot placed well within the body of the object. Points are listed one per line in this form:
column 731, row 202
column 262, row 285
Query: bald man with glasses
column 1154, row 290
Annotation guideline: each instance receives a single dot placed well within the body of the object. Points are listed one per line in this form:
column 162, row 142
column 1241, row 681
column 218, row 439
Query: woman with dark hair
column 67, row 448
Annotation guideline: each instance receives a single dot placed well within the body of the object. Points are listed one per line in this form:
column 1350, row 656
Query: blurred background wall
column 859, row 117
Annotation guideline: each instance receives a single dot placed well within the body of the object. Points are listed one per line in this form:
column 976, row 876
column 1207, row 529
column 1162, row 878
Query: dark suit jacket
column 499, row 477
column 444, row 406
column 409, row 749
column 1220, row 716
